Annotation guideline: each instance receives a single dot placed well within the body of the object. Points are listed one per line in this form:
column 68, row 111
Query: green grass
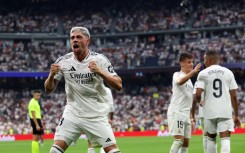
column 126, row 145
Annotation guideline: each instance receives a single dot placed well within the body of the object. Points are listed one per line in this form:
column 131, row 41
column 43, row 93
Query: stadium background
column 141, row 38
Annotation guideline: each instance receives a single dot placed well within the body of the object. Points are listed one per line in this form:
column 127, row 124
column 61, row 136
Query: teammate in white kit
column 110, row 118
column 219, row 87
column 181, row 102
column 200, row 116
column 86, row 111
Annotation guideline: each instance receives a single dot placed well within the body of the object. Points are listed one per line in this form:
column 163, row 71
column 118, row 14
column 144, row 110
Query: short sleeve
column 233, row 84
column 200, row 81
column 106, row 65
column 176, row 76
column 32, row 106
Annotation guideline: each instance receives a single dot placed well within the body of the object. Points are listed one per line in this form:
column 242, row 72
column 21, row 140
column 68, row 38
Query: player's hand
column 38, row 128
column 94, row 67
column 201, row 103
column 54, row 69
column 237, row 122
column 193, row 125
column 197, row 68
column 110, row 121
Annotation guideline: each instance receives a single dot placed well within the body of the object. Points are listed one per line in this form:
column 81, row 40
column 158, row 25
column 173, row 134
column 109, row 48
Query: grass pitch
column 126, row 145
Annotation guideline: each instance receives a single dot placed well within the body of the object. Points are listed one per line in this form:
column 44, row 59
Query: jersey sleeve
column 233, row 84
column 200, row 80
column 176, row 76
column 195, row 90
column 106, row 65
column 32, row 106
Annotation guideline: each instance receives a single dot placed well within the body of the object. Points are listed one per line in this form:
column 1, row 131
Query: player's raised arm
column 50, row 83
column 182, row 80
column 113, row 81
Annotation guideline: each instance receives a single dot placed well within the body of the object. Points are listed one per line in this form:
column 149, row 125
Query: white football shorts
column 179, row 125
column 212, row 126
column 201, row 122
column 97, row 130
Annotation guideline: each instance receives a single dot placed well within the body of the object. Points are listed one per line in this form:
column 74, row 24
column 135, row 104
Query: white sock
column 102, row 150
column 211, row 145
column 91, row 150
column 204, row 142
column 56, row 149
column 176, row 146
column 116, row 150
column 225, row 145
column 183, row 150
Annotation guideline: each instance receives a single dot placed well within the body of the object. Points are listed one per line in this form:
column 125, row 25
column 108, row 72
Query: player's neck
column 184, row 70
column 212, row 64
column 81, row 57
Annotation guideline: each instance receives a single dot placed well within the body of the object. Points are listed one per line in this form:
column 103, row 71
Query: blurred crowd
column 123, row 17
column 124, row 53
column 138, row 47
column 143, row 108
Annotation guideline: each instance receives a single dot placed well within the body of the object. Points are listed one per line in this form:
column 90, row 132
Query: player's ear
column 208, row 61
column 88, row 42
column 181, row 64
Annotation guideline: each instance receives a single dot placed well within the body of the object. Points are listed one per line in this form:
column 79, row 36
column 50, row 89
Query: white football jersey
column 85, row 90
column 217, row 81
column 182, row 95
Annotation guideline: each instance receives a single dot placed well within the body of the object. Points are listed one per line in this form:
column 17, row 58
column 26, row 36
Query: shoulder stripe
column 94, row 53
column 67, row 56
column 105, row 58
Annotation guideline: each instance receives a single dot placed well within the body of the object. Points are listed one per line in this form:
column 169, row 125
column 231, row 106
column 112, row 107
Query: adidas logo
column 72, row 69
column 108, row 140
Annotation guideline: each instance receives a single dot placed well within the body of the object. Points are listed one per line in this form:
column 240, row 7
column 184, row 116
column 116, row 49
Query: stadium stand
column 139, row 106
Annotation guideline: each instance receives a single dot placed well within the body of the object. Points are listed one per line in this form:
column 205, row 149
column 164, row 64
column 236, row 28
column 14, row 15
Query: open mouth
column 75, row 46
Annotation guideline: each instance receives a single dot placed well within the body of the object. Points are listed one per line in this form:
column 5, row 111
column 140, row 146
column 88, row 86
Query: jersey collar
column 89, row 52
